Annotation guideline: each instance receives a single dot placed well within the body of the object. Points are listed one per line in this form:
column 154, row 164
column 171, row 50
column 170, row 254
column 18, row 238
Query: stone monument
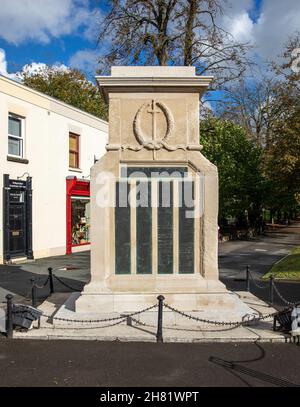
column 168, row 243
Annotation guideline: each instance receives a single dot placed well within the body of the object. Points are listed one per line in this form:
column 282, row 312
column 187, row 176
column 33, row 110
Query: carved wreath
column 153, row 144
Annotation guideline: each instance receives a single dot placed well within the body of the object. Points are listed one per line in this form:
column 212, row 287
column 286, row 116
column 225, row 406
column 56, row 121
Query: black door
column 17, row 226
column 17, row 216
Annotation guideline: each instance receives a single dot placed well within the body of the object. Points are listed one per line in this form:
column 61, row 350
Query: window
column 73, row 150
column 80, row 220
column 15, row 135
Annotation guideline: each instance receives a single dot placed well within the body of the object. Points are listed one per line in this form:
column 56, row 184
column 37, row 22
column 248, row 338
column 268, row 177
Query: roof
column 50, row 103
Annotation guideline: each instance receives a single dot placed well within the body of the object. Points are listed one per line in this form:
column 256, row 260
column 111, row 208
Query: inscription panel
column 186, row 227
column 144, row 228
column 165, row 227
column 122, row 229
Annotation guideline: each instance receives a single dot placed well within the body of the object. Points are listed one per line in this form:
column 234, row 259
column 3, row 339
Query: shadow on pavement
column 234, row 367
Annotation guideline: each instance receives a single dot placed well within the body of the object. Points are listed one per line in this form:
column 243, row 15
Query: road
column 77, row 363
column 260, row 254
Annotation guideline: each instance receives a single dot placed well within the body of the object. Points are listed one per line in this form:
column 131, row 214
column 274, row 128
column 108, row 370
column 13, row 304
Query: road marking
column 260, row 250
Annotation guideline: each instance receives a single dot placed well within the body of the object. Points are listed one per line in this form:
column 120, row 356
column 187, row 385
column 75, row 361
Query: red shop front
column 78, row 213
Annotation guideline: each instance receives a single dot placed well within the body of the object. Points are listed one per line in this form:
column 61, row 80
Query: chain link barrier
column 246, row 319
column 236, row 324
column 94, row 327
column 100, row 320
column 261, row 287
column 284, row 300
column 276, row 289
column 42, row 286
column 66, row 285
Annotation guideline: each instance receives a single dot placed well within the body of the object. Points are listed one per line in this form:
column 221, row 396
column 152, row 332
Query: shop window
column 73, row 150
column 80, row 220
column 15, row 135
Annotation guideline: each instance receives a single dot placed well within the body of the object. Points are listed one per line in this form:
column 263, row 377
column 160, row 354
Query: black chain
column 95, row 327
column 100, row 320
column 27, row 311
column 42, row 286
column 223, row 323
column 186, row 329
column 290, row 303
column 65, row 284
column 261, row 287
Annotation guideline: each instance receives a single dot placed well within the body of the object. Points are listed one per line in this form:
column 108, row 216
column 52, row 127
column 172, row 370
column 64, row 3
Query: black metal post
column 6, row 219
column 50, row 270
column 29, row 217
column 33, row 292
column 271, row 289
column 9, row 315
column 248, row 278
column 159, row 335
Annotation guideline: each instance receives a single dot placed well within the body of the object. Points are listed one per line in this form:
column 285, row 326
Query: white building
column 46, row 151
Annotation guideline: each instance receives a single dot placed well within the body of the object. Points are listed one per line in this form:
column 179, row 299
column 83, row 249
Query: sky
column 64, row 32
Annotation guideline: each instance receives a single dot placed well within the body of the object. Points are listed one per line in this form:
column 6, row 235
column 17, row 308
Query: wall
column 47, row 123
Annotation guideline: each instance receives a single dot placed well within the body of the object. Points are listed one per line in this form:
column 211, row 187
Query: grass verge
column 288, row 268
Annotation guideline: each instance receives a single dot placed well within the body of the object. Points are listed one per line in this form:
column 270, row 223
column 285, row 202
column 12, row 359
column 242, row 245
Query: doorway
column 17, row 207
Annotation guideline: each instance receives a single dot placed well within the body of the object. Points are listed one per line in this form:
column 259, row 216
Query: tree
column 250, row 104
column 269, row 111
column 289, row 69
column 282, row 155
column 241, row 184
column 69, row 86
column 166, row 32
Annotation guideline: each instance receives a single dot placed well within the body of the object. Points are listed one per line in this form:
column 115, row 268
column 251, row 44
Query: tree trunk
column 189, row 33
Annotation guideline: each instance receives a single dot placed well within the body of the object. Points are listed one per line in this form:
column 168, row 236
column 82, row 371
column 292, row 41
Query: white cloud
column 28, row 69
column 40, row 20
column 85, row 60
column 276, row 22
column 35, row 67
column 3, row 63
column 3, row 66
column 240, row 27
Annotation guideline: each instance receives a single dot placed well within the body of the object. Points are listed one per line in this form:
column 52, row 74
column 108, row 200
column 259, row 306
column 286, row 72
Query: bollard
column 50, row 270
column 33, row 292
column 9, row 315
column 159, row 335
column 271, row 289
column 248, row 278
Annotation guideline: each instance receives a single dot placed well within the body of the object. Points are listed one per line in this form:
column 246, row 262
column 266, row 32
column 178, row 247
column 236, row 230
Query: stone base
column 215, row 307
column 210, row 302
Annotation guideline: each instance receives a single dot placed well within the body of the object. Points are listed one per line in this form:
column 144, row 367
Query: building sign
column 17, row 184
column 17, row 196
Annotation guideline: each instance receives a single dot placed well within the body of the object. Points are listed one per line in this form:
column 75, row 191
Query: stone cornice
column 148, row 84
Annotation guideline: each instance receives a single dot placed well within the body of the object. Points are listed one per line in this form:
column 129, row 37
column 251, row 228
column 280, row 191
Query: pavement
column 106, row 364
